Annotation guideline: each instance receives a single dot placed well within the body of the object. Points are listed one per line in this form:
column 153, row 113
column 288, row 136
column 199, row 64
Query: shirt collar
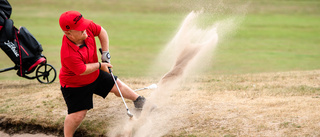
column 83, row 45
column 71, row 44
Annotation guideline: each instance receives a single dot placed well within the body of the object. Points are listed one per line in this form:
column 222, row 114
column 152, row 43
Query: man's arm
column 104, row 39
column 91, row 67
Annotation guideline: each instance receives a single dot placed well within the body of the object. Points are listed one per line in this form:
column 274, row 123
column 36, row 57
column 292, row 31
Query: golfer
column 81, row 74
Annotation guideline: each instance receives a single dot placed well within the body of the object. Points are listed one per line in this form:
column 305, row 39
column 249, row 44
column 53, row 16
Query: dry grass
column 267, row 104
column 270, row 104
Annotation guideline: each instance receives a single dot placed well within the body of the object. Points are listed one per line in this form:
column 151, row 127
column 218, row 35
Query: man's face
column 76, row 35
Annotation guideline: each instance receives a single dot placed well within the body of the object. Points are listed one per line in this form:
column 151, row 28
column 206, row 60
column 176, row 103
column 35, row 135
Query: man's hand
column 105, row 56
column 105, row 67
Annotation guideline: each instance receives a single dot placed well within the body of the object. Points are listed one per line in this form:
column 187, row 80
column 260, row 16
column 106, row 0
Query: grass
column 263, row 79
column 269, row 39
column 271, row 44
column 264, row 104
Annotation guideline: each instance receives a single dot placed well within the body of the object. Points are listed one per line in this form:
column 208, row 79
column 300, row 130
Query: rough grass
column 274, row 35
column 264, row 104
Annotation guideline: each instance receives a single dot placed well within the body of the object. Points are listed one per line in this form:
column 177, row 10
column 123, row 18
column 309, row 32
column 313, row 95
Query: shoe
column 139, row 102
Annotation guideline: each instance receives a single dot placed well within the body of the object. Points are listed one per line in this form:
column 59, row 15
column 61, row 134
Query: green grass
column 274, row 35
column 271, row 43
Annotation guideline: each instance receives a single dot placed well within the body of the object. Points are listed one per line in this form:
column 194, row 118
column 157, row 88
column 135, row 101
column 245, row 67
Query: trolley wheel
column 46, row 73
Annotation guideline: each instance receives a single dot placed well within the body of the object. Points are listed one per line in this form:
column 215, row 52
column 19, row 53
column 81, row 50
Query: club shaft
column 140, row 89
column 128, row 112
column 119, row 91
column 153, row 86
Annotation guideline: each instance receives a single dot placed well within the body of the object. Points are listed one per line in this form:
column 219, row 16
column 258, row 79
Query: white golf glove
column 105, row 57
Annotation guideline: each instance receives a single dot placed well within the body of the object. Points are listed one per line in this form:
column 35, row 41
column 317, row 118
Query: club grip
column 100, row 49
column 109, row 69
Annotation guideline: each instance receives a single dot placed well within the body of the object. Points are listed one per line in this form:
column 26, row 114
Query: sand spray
column 187, row 54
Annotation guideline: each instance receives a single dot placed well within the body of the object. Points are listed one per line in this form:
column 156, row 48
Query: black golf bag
column 21, row 47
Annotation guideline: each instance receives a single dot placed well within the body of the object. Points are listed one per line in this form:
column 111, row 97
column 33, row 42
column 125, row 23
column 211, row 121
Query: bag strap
column 9, row 29
column 3, row 15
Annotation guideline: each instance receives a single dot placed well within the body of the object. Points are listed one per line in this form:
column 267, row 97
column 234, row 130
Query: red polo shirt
column 74, row 58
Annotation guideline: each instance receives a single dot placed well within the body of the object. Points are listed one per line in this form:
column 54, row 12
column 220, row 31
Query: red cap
column 73, row 20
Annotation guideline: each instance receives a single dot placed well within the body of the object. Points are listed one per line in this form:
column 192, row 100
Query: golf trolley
column 45, row 73
column 23, row 49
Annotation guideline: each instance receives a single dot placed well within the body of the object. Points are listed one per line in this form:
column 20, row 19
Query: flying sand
column 189, row 44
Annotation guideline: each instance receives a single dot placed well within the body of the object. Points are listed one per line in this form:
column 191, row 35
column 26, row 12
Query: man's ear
column 67, row 32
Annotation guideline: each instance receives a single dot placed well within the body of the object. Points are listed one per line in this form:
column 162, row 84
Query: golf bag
column 20, row 46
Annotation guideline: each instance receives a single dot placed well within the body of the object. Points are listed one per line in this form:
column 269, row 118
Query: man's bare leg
column 126, row 91
column 72, row 122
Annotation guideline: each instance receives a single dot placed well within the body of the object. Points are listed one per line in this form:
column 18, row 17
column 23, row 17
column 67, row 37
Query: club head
column 153, row 86
column 129, row 114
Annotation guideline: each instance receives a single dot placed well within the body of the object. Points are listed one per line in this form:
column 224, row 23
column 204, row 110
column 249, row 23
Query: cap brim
column 84, row 25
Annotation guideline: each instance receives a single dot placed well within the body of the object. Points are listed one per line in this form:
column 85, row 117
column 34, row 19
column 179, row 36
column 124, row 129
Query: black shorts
column 80, row 98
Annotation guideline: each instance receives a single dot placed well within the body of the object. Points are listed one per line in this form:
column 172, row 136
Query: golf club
column 152, row 86
column 128, row 112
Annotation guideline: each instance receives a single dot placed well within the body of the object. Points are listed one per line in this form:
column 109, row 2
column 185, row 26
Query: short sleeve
column 94, row 28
